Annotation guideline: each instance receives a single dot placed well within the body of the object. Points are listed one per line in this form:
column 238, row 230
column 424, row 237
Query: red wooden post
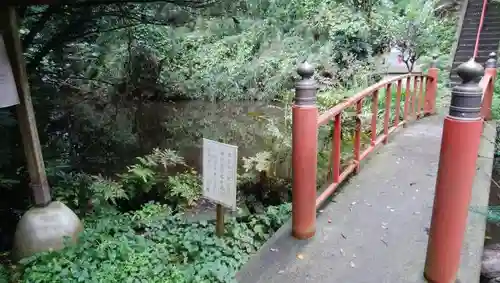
column 420, row 111
column 398, row 104
column 374, row 118
column 357, row 135
column 406, row 106
column 336, row 150
column 431, row 88
column 304, row 154
column 457, row 169
column 413, row 108
column 387, row 114
column 491, row 69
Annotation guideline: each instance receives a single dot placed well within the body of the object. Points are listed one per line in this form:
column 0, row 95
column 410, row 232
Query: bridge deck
column 376, row 230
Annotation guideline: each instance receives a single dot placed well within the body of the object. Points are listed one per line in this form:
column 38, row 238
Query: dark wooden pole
column 25, row 112
column 219, row 225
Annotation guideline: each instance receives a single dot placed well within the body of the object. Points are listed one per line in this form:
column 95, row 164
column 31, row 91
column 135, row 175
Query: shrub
column 142, row 247
column 4, row 274
column 149, row 179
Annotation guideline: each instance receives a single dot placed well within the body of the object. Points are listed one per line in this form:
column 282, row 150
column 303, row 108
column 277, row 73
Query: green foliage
column 118, row 248
column 151, row 176
column 148, row 179
column 495, row 107
column 104, row 93
column 4, row 274
column 185, row 188
column 416, row 31
column 107, row 190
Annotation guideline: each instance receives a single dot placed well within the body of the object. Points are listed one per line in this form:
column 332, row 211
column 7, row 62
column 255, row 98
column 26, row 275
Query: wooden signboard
column 219, row 177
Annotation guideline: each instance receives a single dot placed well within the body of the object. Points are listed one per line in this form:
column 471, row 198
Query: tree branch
column 59, row 38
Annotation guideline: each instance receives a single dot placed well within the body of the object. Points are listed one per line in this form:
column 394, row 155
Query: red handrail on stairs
column 480, row 28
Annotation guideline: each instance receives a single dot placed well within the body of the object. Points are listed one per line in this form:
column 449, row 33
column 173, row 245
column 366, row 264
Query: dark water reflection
column 182, row 125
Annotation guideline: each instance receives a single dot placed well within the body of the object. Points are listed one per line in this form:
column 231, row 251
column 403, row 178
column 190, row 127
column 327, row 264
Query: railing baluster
column 407, row 101
column 414, row 97
column 421, row 98
column 374, row 117
column 387, row 114
column 357, row 135
column 398, row 104
column 336, row 142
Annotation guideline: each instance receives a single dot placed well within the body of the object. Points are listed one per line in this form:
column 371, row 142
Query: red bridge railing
column 417, row 98
column 480, row 27
column 487, row 83
column 416, row 102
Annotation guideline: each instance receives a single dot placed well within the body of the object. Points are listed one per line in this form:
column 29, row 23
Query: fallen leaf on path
column 300, row 256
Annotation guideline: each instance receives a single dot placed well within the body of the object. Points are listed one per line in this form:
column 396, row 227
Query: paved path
column 376, row 229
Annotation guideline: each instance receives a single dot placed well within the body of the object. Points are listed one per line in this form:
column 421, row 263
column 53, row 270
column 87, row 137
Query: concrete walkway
column 375, row 231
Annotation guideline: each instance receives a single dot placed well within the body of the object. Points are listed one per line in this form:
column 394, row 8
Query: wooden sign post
column 219, row 177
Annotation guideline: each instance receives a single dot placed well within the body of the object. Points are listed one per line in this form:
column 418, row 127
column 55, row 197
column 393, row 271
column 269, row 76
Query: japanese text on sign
column 219, row 172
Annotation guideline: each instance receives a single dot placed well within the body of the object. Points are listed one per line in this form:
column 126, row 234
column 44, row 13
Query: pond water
column 182, row 126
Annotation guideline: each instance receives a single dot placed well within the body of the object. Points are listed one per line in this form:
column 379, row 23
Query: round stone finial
column 492, row 60
column 305, row 70
column 470, row 71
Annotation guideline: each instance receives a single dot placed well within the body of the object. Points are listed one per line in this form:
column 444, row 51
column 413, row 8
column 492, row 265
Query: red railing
column 487, row 84
column 417, row 103
column 480, row 28
column 419, row 99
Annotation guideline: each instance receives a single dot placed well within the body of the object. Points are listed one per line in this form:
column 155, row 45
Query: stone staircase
column 489, row 38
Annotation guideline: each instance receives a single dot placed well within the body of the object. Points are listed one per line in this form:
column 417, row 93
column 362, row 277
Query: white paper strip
column 8, row 90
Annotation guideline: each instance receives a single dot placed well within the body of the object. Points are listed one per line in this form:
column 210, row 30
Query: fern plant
column 183, row 188
column 107, row 190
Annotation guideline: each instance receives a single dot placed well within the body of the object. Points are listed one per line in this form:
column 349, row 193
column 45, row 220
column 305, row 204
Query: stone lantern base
column 45, row 229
